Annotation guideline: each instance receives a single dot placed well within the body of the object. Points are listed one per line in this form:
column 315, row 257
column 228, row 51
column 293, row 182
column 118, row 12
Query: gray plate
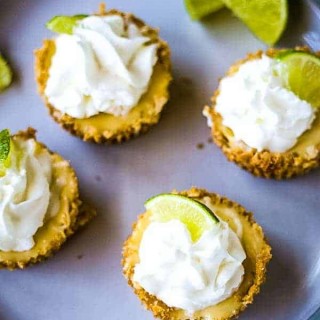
column 84, row 281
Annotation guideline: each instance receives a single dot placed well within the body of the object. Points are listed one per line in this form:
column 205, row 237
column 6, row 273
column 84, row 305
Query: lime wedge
column 64, row 24
column 301, row 73
column 195, row 215
column 5, row 147
column 197, row 9
column 267, row 19
column 5, row 74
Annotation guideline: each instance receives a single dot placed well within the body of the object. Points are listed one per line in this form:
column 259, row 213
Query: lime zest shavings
column 5, row 148
column 193, row 214
column 64, row 24
column 5, row 74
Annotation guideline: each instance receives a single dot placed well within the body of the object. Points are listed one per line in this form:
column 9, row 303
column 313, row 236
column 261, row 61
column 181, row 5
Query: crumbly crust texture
column 142, row 119
column 223, row 311
column 300, row 159
column 72, row 215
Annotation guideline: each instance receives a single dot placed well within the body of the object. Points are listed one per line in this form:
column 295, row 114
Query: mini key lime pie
column 195, row 255
column 265, row 115
column 105, row 77
column 39, row 200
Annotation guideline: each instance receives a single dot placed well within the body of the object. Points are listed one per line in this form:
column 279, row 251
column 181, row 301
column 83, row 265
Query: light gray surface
column 118, row 179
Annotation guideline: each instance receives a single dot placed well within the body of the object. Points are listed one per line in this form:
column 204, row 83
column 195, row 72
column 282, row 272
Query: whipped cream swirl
column 260, row 111
column 103, row 67
column 186, row 275
column 24, row 196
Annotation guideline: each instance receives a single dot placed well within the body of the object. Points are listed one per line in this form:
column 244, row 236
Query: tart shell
column 106, row 127
column 300, row 159
column 71, row 216
column 258, row 256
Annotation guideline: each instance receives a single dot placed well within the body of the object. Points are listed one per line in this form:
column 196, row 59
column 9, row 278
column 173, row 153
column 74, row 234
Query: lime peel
column 196, row 216
column 64, row 24
column 300, row 72
column 5, row 74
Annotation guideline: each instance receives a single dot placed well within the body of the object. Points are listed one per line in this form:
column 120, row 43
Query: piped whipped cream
column 103, row 67
column 255, row 104
column 186, row 275
column 24, row 196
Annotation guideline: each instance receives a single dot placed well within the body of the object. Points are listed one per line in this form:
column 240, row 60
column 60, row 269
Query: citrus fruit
column 64, row 24
column 301, row 74
column 196, row 216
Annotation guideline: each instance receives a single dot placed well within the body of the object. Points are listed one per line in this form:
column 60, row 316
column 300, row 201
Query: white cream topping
column 260, row 111
column 103, row 67
column 24, row 196
column 186, row 275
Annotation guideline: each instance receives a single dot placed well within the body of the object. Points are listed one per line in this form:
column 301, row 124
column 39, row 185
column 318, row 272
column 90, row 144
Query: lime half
column 5, row 74
column 64, row 24
column 267, row 19
column 5, row 147
column 195, row 215
column 301, row 74
column 197, row 9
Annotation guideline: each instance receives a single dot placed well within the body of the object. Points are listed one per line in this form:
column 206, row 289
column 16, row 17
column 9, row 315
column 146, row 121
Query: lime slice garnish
column 267, row 19
column 195, row 215
column 5, row 147
column 301, row 74
column 197, row 9
column 5, row 74
column 64, row 24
